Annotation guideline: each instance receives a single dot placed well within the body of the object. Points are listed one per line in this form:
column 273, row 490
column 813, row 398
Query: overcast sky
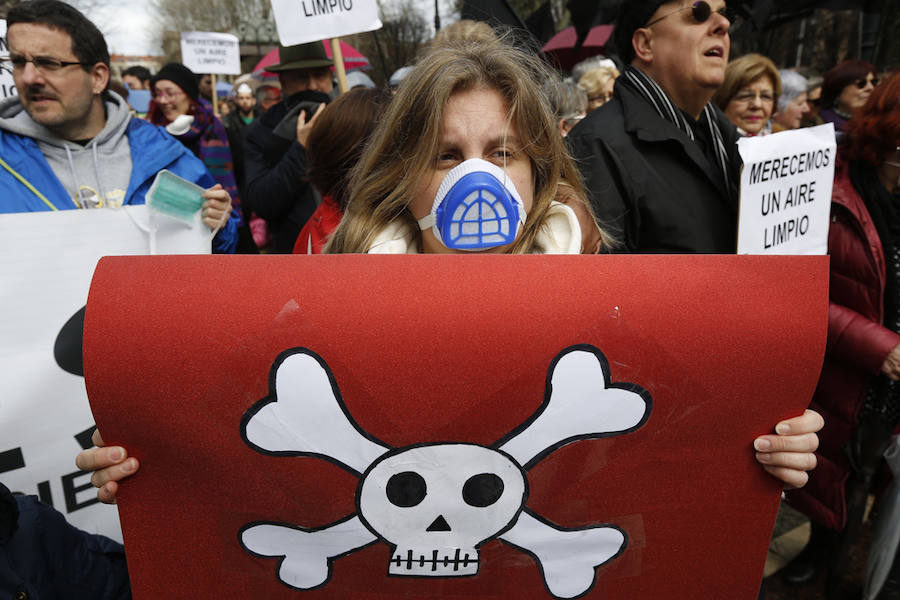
column 128, row 24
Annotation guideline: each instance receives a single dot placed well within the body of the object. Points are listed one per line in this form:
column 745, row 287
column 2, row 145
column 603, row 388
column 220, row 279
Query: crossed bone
column 308, row 418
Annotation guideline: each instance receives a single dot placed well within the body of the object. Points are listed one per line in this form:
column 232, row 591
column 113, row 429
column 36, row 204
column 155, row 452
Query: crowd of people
column 636, row 154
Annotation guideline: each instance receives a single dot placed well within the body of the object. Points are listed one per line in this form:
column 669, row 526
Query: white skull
column 436, row 503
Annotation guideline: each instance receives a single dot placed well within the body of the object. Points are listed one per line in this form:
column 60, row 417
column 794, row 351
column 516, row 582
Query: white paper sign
column 301, row 21
column 47, row 260
column 211, row 52
column 7, row 85
column 786, row 192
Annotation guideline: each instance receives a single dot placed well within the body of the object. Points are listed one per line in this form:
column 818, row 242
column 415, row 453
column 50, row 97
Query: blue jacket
column 44, row 558
column 152, row 150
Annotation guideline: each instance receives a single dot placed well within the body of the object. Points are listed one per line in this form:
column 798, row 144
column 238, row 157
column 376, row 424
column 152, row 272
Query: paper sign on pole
column 47, row 260
column 786, row 192
column 7, row 86
column 211, row 52
column 311, row 20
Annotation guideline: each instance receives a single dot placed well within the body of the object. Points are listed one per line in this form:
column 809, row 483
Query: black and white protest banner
column 47, row 260
column 7, row 86
column 786, row 191
column 304, row 21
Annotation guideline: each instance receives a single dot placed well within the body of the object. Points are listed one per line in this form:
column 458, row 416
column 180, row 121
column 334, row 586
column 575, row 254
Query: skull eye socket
column 482, row 490
column 406, row 489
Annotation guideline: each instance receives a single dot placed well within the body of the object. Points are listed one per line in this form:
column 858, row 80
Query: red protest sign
column 450, row 427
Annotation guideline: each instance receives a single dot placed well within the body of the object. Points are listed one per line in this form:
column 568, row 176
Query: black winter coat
column 653, row 186
column 44, row 558
column 275, row 169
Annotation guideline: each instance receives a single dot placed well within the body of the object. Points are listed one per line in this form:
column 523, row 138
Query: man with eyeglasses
column 660, row 161
column 67, row 141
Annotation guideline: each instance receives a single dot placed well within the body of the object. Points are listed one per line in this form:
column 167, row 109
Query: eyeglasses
column 167, row 95
column 750, row 96
column 862, row 83
column 44, row 64
column 701, row 11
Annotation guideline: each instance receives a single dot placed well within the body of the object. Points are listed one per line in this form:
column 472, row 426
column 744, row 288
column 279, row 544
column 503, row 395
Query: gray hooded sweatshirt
column 95, row 174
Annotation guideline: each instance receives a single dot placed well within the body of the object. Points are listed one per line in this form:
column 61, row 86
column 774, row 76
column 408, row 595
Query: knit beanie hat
column 181, row 76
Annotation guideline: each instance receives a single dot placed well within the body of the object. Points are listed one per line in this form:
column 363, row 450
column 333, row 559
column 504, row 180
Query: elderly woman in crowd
column 859, row 388
column 792, row 103
column 598, row 83
column 845, row 89
column 176, row 106
column 569, row 103
column 747, row 95
column 814, row 99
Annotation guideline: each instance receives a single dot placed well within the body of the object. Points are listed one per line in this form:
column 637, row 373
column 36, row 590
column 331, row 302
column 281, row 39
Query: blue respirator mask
column 477, row 207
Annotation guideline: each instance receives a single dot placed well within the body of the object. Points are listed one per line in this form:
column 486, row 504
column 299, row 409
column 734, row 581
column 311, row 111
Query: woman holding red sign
column 468, row 159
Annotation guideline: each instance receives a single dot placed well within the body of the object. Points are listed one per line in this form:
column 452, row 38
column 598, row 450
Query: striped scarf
column 644, row 85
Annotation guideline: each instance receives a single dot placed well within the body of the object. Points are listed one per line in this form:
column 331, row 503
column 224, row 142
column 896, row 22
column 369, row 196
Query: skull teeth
column 460, row 562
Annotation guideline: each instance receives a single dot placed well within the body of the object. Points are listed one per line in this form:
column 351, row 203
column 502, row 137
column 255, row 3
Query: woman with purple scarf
column 176, row 107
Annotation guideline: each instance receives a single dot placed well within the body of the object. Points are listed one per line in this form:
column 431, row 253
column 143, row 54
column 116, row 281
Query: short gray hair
column 792, row 85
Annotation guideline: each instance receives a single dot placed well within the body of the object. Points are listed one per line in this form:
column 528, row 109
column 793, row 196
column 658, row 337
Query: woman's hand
column 216, row 207
column 304, row 126
column 891, row 366
column 789, row 454
column 109, row 466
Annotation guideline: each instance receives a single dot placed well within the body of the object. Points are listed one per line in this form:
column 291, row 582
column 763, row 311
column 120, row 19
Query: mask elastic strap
column 150, row 229
column 426, row 222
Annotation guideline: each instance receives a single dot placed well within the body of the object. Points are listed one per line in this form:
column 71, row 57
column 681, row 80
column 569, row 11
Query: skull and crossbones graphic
column 435, row 504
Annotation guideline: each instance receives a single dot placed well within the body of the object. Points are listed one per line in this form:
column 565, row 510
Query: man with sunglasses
column 660, row 161
column 66, row 141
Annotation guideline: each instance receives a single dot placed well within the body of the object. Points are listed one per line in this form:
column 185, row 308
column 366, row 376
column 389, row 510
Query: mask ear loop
column 150, row 229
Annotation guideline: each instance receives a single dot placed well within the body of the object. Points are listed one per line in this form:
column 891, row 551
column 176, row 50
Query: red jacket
column 319, row 228
column 857, row 345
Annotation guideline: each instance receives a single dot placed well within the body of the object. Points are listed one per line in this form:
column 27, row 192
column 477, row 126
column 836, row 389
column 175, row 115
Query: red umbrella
column 353, row 59
column 561, row 47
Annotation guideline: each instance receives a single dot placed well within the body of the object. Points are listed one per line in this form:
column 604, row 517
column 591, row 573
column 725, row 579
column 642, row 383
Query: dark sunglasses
column 701, row 12
column 862, row 83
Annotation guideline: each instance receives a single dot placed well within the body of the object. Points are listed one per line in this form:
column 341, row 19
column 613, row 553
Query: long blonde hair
column 403, row 147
